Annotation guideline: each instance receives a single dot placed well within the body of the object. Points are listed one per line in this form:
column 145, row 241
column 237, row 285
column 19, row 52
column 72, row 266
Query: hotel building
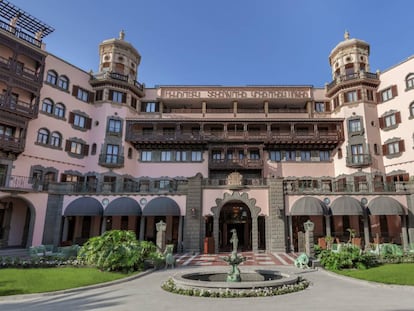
column 85, row 152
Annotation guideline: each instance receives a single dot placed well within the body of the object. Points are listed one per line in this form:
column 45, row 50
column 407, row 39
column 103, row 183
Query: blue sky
column 227, row 42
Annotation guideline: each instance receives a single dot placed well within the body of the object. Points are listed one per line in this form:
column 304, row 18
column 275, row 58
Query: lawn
column 402, row 274
column 28, row 281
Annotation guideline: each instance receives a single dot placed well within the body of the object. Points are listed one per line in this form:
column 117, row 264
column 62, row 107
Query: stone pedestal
column 161, row 228
column 309, row 243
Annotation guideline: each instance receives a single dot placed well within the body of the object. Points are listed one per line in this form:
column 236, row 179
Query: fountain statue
column 234, row 259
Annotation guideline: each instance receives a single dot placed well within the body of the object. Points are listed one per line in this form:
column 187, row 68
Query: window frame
column 43, row 135
column 51, row 77
column 63, row 82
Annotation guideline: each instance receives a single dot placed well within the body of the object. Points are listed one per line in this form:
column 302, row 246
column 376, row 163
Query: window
column 112, row 152
column 43, row 136
column 216, row 155
column 129, row 153
column 47, row 106
column 357, row 154
column 164, row 184
column 51, row 77
column 370, row 95
column 117, row 97
column 146, row 156
column 409, row 81
column 324, row 155
column 181, row 156
column 114, row 126
column 165, row 156
column 147, row 131
column 390, row 120
column 254, row 155
column 354, row 125
column 63, row 82
column 412, row 110
column 6, row 131
column 196, row 156
column 93, row 151
column 393, row 148
column 99, row 95
column 149, row 107
column 320, row 107
column 351, row 96
column 80, row 121
column 76, row 147
column 82, row 94
column 59, row 111
column 335, row 102
column 275, row 155
column 305, row 155
column 56, row 139
column 229, row 155
column 387, row 94
column 290, row 155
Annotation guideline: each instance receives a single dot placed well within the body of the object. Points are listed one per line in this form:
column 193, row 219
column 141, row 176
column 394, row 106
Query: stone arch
column 236, row 197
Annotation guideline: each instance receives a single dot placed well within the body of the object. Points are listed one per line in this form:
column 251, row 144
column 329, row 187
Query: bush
column 116, row 250
column 350, row 257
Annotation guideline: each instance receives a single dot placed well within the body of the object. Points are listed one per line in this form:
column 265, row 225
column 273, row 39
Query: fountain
column 249, row 283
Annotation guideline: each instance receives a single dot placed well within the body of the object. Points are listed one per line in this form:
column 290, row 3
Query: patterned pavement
column 253, row 259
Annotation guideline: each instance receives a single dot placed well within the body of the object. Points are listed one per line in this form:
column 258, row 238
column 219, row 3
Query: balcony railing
column 19, row 183
column 111, row 160
column 358, row 160
column 351, row 77
column 118, row 77
column 20, row 107
column 267, row 137
column 235, row 163
column 20, row 34
column 213, row 182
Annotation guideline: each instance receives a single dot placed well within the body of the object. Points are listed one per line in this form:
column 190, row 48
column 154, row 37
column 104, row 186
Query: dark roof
column 25, row 21
column 307, row 206
column 86, row 206
column 123, row 207
column 385, row 206
column 162, row 206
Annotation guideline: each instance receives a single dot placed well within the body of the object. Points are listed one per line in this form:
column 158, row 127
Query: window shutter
column 394, row 91
column 401, row 145
column 398, row 117
column 111, row 95
column 339, row 153
column 381, row 122
column 384, row 150
column 327, row 106
column 68, row 144
column 124, row 98
column 378, row 96
column 405, row 177
column 75, row 89
column 71, row 117
column 359, row 95
column 85, row 150
column 91, row 96
column 88, row 123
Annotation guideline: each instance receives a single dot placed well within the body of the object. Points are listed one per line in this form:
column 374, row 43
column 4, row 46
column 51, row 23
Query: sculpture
column 234, row 260
column 302, row 261
column 169, row 257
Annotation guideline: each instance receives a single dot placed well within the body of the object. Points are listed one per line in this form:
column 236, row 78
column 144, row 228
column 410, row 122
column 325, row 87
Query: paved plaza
column 326, row 292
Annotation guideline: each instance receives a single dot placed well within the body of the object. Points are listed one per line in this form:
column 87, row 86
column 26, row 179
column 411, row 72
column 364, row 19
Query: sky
column 227, row 42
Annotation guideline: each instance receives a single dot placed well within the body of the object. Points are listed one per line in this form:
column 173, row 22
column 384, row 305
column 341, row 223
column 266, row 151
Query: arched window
column 409, row 81
column 51, row 77
column 59, row 110
column 43, row 136
column 47, row 105
column 63, row 82
column 412, row 110
column 56, row 139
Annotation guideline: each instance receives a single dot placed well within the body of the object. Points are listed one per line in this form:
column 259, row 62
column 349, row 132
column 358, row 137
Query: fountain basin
column 215, row 280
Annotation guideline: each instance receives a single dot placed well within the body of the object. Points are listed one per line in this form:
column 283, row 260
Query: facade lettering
column 238, row 94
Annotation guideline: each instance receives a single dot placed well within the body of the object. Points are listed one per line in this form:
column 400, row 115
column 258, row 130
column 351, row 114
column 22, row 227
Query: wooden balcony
column 11, row 144
column 235, row 164
column 19, row 107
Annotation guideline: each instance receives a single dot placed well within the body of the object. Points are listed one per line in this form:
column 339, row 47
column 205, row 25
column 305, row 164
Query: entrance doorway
column 235, row 215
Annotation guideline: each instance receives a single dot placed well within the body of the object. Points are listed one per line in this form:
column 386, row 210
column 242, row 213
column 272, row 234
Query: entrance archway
column 235, row 215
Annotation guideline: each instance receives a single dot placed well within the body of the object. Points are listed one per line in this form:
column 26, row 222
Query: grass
column 401, row 274
column 39, row 280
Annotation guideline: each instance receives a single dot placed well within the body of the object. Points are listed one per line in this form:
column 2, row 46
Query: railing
column 158, row 136
column 13, row 182
column 20, row 106
column 353, row 76
column 235, row 163
column 111, row 160
column 11, row 143
column 20, row 34
column 119, row 77
column 213, row 182
column 358, row 160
